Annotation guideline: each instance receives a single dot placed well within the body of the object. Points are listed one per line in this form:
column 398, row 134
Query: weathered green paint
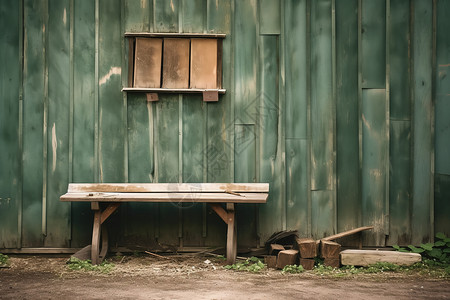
column 400, row 183
column 442, row 204
column 9, row 114
column 347, row 141
column 373, row 44
column 442, row 129
column 33, row 120
column 399, row 54
column 296, row 69
column 322, row 124
column 268, row 131
column 58, row 213
column 246, row 62
column 423, row 147
column 300, row 79
column 442, row 93
column 269, row 16
column 400, row 124
column 374, row 163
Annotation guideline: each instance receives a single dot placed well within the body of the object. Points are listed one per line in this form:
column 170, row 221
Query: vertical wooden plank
column 165, row 15
column 400, row 124
column 245, row 51
column 110, row 118
column 270, row 214
column 442, row 144
column 193, row 15
column 296, row 70
column 58, row 213
column 298, row 207
column 175, row 63
column 219, row 131
column 245, row 171
column 138, row 15
column 322, row 214
column 166, row 162
column 442, row 89
column 147, row 63
column 322, row 118
column 83, row 118
column 269, row 16
column 400, row 183
column 203, row 66
column 140, row 217
column 374, row 160
column 347, row 137
column 442, row 205
column 321, row 97
column 193, row 19
column 373, row 43
column 10, row 18
column 422, row 122
column 33, row 90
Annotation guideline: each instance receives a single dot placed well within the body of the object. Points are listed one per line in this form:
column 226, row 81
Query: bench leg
column 95, row 251
column 231, row 235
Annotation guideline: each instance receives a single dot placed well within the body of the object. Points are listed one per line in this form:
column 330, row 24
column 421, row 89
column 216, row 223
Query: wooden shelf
column 161, row 90
column 176, row 35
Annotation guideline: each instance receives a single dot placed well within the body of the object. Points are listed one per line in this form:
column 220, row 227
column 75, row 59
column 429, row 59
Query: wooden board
column 167, row 197
column 168, row 187
column 147, row 63
column 176, row 63
column 369, row 257
column 346, row 233
column 204, row 63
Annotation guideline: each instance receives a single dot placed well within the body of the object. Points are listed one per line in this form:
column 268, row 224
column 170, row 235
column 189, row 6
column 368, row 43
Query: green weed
column 293, row 269
column 439, row 250
column 76, row 264
column 4, row 260
column 252, row 264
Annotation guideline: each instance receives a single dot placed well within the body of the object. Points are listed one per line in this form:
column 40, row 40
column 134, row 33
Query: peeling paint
column 112, row 71
column 65, row 16
column 54, row 146
column 143, row 3
column 172, row 7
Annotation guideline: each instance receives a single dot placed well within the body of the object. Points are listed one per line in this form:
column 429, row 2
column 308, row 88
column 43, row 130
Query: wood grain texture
column 203, row 68
column 369, row 257
column 176, row 64
column 147, row 63
column 191, row 197
column 169, row 187
column 374, row 163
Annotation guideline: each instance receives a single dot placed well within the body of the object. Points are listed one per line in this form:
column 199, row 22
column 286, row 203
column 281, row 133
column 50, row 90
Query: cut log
column 307, row 263
column 369, row 257
column 270, row 261
column 275, row 249
column 307, row 247
column 346, row 233
column 287, row 257
column 329, row 249
column 332, row 262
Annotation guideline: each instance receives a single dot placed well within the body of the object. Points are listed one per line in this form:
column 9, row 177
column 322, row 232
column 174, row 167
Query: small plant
column 252, row 264
column 438, row 251
column 76, row 264
column 293, row 269
column 381, row 267
column 4, row 260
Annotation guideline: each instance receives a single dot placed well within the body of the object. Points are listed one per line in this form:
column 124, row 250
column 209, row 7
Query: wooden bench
column 215, row 194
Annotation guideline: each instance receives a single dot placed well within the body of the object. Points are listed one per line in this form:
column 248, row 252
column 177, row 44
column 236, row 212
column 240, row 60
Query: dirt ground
column 199, row 277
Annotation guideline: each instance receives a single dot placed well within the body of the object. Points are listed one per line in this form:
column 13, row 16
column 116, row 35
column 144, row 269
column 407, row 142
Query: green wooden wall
column 341, row 105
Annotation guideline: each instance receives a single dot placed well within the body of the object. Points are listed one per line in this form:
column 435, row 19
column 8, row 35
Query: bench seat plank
column 169, row 187
column 167, row 197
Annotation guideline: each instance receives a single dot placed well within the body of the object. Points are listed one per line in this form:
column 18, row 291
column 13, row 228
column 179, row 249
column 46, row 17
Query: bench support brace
column 228, row 216
column 98, row 231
